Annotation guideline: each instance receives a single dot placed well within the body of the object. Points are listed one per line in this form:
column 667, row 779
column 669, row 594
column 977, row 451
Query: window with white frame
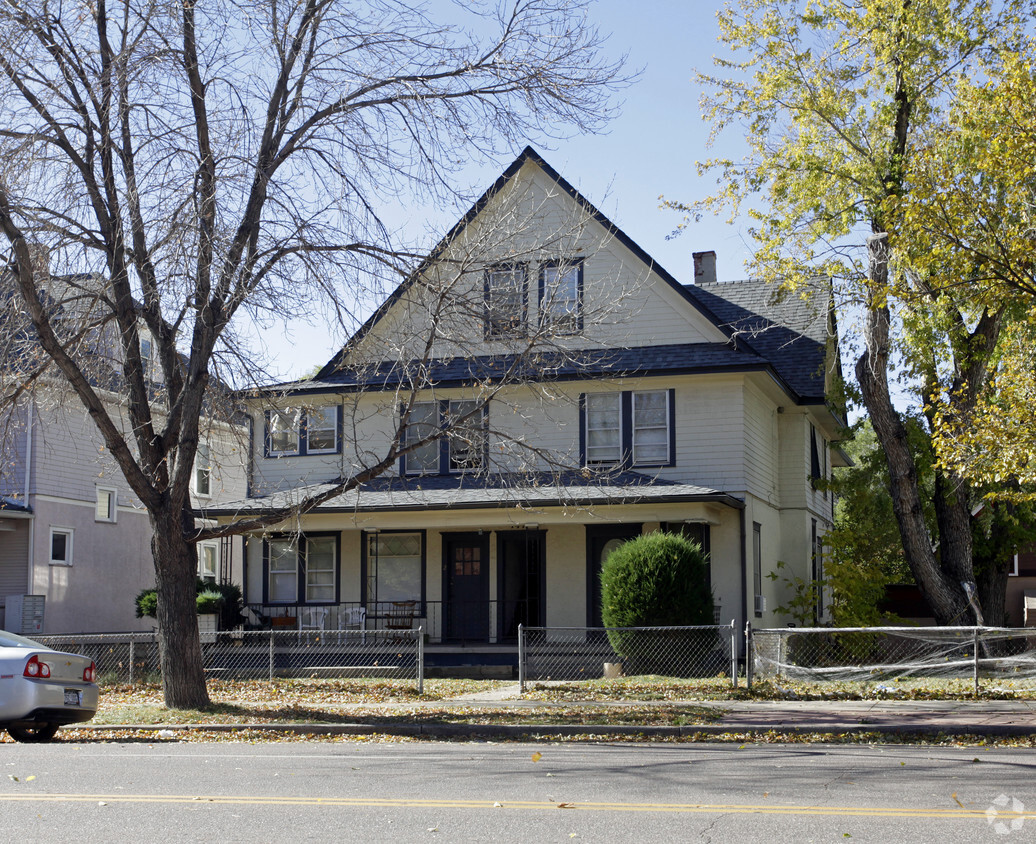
column 320, row 569
column 302, row 431
column 283, row 568
column 603, row 427
column 203, row 470
column 633, row 427
column 322, row 430
column 395, row 562
column 302, row 569
column 61, row 546
column 561, row 295
column 284, row 427
column 145, row 356
column 467, row 437
column 208, row 557
column 506, row 290
column 423, row 422
column 106, row 507
column 465, row 443
column 650, row 427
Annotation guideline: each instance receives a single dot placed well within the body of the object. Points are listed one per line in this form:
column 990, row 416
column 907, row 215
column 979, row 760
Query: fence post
column 132, row 660
column 975, row 643
column 733, row 653
column 420, row 660
column 270, row 678
column 748, row 654
column 521, row 658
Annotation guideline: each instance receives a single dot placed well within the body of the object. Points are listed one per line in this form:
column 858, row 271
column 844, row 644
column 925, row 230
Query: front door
column 520, row 581
column 601, row 540
column 466, row 586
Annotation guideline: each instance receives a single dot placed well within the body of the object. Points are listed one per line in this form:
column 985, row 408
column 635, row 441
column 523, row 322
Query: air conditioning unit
column 23, row 614
column 760, row 603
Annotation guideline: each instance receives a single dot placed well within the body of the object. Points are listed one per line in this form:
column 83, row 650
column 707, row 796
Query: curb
column 517, row 732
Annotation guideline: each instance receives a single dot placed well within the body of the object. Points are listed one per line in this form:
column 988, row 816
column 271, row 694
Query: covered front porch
column 468, row 566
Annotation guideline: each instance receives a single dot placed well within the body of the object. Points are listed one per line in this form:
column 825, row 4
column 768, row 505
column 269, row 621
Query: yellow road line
column 381, row 803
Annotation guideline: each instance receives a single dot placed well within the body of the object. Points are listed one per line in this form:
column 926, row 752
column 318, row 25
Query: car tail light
column 35, row 668
column 90, row 674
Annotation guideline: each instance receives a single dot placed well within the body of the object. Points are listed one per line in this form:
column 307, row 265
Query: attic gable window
column 561, row 295
column 294, row 431
column 506, row 290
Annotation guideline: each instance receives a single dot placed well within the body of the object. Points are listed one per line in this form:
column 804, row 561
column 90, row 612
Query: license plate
column 73, row 697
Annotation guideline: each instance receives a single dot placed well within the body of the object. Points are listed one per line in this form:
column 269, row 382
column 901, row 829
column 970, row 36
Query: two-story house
column 586, row 396
column 75, row 542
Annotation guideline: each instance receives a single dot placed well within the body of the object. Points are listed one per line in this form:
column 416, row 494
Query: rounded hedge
column 659, row 580
column 656, row 580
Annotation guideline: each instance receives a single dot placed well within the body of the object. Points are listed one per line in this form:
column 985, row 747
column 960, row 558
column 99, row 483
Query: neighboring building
column 641, row 404
column 72, row 533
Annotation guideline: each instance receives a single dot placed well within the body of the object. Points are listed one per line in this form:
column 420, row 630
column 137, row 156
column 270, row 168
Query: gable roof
column 528, row 155
column 782, row 336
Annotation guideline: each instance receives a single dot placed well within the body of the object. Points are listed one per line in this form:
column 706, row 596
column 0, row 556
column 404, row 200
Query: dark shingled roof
column 790, row 332
column 580, row 364
column 460, row 492
column 779, row 336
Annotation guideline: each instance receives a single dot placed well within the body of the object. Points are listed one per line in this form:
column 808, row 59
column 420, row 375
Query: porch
column 456, row 623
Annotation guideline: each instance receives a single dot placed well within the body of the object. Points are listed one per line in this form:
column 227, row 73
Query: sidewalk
column 949, row 717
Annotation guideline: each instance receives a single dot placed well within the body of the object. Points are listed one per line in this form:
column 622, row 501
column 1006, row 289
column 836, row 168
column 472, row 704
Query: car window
column 12, row 640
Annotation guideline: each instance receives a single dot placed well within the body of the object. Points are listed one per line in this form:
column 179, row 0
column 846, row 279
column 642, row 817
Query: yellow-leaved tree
column 841, row 101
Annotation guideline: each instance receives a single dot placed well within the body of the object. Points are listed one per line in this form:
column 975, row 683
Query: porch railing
column 443, row 622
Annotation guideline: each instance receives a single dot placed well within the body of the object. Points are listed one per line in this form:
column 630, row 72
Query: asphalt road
column 316, row 791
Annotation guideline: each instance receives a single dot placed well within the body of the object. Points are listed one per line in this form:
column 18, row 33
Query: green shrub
column 222, row 598
column 658, row 580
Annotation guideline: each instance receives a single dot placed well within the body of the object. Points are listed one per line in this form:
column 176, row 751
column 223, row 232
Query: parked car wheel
column 39, row 733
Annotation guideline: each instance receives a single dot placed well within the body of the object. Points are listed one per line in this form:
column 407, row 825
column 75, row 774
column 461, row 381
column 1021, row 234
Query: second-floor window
column 463, row 449
column 634, row 428
column 203, row 471
column 561, row 295
column 506, row 289
column 297, row 431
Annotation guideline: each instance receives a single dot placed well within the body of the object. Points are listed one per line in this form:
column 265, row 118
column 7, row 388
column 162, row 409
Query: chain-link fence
column 264, row 654
column 1004, row 657
column 589, row 653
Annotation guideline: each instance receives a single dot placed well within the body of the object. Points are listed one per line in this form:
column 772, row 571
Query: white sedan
column 43, row 689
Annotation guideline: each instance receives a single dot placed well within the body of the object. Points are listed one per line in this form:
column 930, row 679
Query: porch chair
column 312, row 618
column 400, row 616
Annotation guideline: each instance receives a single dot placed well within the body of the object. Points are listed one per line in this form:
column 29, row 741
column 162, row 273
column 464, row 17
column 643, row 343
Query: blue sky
column 651, row 149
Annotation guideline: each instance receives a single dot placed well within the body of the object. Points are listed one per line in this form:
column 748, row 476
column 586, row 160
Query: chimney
column 705, row 267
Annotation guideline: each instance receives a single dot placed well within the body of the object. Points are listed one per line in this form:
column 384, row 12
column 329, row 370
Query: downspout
column 744, row 575
column 32, row 523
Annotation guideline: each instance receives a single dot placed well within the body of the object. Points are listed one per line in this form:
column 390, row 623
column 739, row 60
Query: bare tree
column 193, row 167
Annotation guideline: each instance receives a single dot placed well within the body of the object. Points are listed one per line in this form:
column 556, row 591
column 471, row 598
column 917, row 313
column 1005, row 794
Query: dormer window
column 506, row 289
column 561, row 295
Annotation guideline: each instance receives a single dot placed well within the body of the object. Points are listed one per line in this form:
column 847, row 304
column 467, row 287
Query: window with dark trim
column 818, row 571
column 506, row 294
column 301, row 569
column 298, row 431
column 463, row 449
column 633, row 428
column 561, row 295
column 393, row 567
column 757, row 567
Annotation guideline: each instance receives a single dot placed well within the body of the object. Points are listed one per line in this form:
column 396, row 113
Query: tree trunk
column 179, row 644
column 946, row 598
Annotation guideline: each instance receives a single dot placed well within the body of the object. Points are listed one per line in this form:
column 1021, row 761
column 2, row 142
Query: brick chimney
column 705, row 267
